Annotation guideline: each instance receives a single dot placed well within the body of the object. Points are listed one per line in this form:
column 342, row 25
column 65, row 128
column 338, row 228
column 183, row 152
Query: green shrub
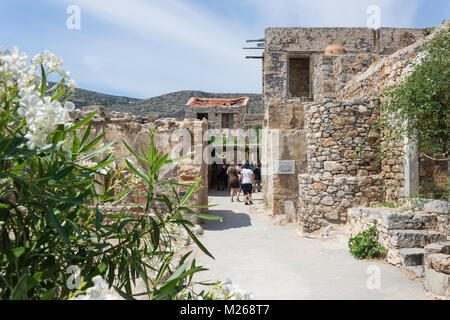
column 51, row 214
column 366, row 246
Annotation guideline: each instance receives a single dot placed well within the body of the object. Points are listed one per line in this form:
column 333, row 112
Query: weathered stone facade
column 220, row 113
column 134, row 130
column 342, row 169
column 289, row 87
column 333, row 120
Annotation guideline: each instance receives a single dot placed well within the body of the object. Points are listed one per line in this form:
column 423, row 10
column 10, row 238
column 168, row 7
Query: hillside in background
column 167, row 105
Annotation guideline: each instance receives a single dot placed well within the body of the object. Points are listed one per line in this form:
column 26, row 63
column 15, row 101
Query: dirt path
column 274, row 263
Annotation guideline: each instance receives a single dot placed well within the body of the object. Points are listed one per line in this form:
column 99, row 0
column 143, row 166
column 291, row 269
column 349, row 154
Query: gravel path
column 274, row 263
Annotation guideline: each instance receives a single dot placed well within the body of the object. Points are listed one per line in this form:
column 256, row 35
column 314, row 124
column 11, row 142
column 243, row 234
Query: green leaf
column 134, row 153
column 19, row 291
column 18, row 251
column 199, row 244
column 49, row 294
column 82, row 122
column 201, row 215
column 96, row 152
column 43, row 82
column 63, row 173
column 138, row 171
column 94, row 142
column 55, row 222
column 98, row 219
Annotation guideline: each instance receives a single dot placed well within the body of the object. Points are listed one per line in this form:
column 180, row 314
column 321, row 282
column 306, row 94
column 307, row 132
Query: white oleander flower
column 72, row 84
column 41, row 115
column 97, row 291
column 235, row 292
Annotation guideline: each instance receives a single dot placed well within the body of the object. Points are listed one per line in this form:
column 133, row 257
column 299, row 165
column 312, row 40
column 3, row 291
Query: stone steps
column 418, row 271
column 404, row 233
column 414, row 238
column 412, row 256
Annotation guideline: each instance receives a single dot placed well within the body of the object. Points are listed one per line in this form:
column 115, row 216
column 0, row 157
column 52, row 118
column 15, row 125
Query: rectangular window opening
column 299, row 77
column 228, row 120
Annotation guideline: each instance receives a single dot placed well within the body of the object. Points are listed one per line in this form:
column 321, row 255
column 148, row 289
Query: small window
column 228, row 120
column 200, row 116
column 299, row 77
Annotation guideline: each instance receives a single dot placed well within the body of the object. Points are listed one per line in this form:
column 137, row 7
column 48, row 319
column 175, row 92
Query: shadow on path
column 231, row 220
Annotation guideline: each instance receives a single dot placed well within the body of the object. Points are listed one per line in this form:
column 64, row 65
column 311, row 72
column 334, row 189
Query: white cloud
column 163, row 46
column 154, row 47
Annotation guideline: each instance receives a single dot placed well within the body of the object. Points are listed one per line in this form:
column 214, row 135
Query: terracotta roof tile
column 217, row 102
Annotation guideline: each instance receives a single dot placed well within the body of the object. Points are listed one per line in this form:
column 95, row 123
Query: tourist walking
column 247, row 181
column 233, row 178
column 257, row 173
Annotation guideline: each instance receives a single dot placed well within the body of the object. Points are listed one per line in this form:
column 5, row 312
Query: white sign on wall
column 284, row 167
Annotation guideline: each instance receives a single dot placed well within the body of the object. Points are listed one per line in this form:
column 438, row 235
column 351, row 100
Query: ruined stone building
column 319, row 95
column 321, row 91
column 231, row 117
column 220, row 113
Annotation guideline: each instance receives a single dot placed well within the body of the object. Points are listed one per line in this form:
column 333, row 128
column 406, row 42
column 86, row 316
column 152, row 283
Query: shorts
column 234, row 185
column 247, row 188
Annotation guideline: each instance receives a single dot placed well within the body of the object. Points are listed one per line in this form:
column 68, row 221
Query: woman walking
column 234, row 183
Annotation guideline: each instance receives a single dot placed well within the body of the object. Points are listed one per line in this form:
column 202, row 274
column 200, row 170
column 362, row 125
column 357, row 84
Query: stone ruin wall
column 352, row 80
column 134, row 131
column 215, row 115
column 385, row 72
column 285, row 133
column 342, row 170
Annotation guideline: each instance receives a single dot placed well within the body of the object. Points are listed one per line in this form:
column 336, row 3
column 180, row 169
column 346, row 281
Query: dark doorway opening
column 200, row 116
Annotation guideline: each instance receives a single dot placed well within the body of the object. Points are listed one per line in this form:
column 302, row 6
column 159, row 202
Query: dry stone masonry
column 342, row 170
column 134, row 130
column 322, row 118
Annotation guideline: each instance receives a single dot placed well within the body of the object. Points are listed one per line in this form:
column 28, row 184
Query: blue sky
column 144, row 48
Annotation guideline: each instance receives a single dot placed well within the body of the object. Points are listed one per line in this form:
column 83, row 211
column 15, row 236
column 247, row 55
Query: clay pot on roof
column 335, row 50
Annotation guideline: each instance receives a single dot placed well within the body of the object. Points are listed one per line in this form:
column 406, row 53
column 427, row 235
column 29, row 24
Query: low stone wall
column 327, row 199
column 437, row 269
column 438, row 207
column 404, row 233
column 134, row 130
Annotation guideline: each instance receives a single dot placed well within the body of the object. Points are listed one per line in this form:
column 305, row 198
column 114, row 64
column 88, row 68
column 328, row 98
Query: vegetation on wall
column 422, row 100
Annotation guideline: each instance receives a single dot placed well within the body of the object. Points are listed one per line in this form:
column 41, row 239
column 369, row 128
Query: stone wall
column 326, row 199
column 437, row 269
column 388, row 71
column 342, row 170
column 399, row 231
column 134, row 130
column 215, row 115
column 355, row 40
column 338, row 137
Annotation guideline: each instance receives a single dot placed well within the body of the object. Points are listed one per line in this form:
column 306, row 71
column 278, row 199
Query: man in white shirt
column 247, row 180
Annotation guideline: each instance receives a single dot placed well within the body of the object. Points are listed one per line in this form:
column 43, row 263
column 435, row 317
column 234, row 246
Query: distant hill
column 167, row 105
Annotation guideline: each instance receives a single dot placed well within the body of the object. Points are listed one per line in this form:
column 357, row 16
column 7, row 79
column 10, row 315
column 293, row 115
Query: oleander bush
column 51, row 218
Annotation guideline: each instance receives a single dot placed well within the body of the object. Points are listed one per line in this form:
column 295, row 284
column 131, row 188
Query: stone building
column 220, row 113
column 311, row 128
column 321, row 96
